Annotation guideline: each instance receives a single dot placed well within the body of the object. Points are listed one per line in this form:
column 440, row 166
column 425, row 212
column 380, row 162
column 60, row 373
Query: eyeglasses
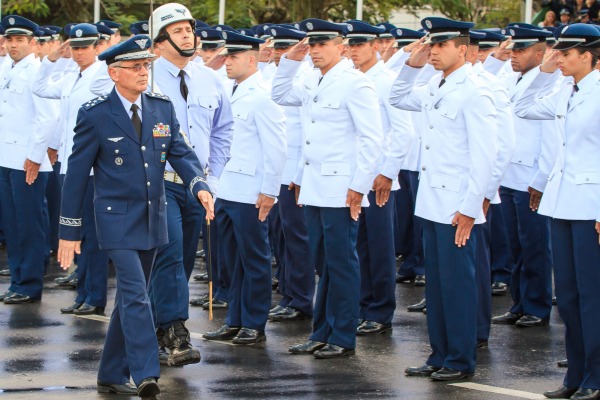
column 137, row 67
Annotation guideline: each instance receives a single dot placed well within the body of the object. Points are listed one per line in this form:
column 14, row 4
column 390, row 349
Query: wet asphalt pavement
column 48, row 355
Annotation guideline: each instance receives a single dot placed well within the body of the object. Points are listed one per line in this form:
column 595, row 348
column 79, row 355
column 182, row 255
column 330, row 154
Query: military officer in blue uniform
column 127, row 137
column 113, row 26
column 457, row 156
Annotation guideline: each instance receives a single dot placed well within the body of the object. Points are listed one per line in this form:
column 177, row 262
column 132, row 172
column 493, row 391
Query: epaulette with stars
column 94, row 102
column 158, row 96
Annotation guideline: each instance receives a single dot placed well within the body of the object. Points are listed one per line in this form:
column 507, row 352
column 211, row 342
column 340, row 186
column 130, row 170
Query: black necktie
column 519, row 80
column 320, row 79
column 136, row 121
column 442, row 83
column 575, row 88
column 234, row 89
column 182, row 86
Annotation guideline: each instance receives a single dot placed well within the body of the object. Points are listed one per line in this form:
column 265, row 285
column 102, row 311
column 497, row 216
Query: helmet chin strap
column 184, row 53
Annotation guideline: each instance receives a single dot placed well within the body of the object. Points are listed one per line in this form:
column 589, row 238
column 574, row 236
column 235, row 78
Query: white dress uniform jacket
column 259, row 146
column 458, row 146
column 573, row 189
column 342, row 131
column 26, row 122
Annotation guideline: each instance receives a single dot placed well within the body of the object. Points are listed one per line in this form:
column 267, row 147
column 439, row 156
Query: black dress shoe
column 554, row 301
column 181, row 351
column 448, row 374
column 274, row 283
column 420, row 280
column 288, row 314
column 276, row 310
column 562, row 392
column 203, row 277
column 116, row 388
column 200, row 253
column 199, row 301
column 333, row 351
column 586, row 394
column 417, row 307
column 4, row 272
column 5, row 295
column 148, row 388
column 215, row 304
column 249, row 336
column 499, row 288
column 64, row 280
column 17, row 298
column 87, row 309
column 424, row 370
column 371, row 327
column 403, row 278
column 224, row 333
column 562, row 364
column 482, row 344
column 306, row 348
column 71, row 308
column 507, row 318
column 424, row 311
column 531, row 320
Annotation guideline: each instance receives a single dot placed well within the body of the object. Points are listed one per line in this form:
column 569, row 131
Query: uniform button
column 564, row 144
column 423, row 168
column 209, row 106
column 164, row 145
column 520, row 161
column 239, row 170
column 109, row 208
column 430, row 126
column 587, row 179
column 443, row 186
column 561, row 171
column 431, row 94
column 306, row 163
column 308, row 142
column 190, row 127
column 117, row 151
column 143, row 148
column 436, row 106
column 145, row 165
column 335, row 172
column 149, row 202
column 147, row 183
column 315, row 100
column 313, row 121
column 427, row 147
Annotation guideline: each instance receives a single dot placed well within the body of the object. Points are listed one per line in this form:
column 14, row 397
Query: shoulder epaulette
column 94, row 102
column 158, row 96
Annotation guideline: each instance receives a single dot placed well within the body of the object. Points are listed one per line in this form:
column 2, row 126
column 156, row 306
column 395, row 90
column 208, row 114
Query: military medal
column 163, row 156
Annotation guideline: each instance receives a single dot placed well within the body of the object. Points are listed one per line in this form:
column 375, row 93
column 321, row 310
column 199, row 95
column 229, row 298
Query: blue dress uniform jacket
column 133, row 219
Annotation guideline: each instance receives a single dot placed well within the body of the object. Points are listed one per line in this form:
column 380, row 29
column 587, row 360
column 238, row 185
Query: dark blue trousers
column 53, row 192
column 276, row 239
column 375, row 247
column 451, row 293
column 500, row 253
column 169, row 290
column 247, row 257
column 333, row 234
column 483, row 277
column 219, row 274
column 130, row 347
column 529, row 237
column 409, row 225
column 577, row 276
column 24, row 228
column 297, row 275
column 92, row 263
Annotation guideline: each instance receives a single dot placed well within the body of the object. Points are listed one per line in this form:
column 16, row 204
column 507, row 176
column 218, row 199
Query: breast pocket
column 336, row 178
column 241, row 115
column 587, row 178
column 445, row 182
column 119, row 153
column 446, row 111
column 526, row 159
column 110, row 219
column 16, row 137
column 161, row 149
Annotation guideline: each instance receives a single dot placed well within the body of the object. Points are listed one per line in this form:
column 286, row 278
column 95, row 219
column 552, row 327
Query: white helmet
column 166, row 15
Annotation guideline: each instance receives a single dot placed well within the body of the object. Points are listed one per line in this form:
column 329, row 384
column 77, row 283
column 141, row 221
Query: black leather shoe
column 181, row 351
column 562, row 364
column 224, row 333
column 507, row 318
column 424, row 370
column 64, row 280
column 5, row 295
column 531, row 320
column 586, row 394
column 372, row 327
column 562, row 392
column 17, row 298
column 199, row 301
column 215, row 304
column 249, row 336
column 148, row 388
column 115, row 388
column 163, row 355
column 71, row 308
column 424, row 311
column 417, row 307
column 420, row 280
column 448, row 374
column 306, row 348
column 203, row 277
column 276, row 310
column 333, row 351
column 403, row 278
column 87, row 309
column 4, row 272
column 200, row 254
column 499, row 288
column 274, row 283
column 482, row 344
column 288, row 314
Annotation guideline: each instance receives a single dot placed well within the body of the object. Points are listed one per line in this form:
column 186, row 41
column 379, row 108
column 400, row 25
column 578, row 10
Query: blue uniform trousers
column 529, row 237
column 130, row 347
column 92, row 263
column 247, row 257
column 375, row 247
column 483, row 276
column 451, row 293
column 409, row 225
column 576, row 256
column 169, row 290
column 500, row 253
column 332, row 235
column 24, row 228
column 297, row 275
column 53, row 192
column 219, row 274
column 276, row 239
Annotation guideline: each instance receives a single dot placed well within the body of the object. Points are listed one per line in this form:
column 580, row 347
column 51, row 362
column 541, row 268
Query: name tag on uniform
column 163, row 156
column 161, row 130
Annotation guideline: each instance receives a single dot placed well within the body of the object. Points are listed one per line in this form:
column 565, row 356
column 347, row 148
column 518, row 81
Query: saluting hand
column 206, row 200
column 535, row 197
column 62, row 51
column 264, row 205
column 296, row 189
column 298, row 51
column 503, row 54
column 382, row 187
column 66, row 252
column 353, row 201
column 463, row 225
column 216, row 62
column 31, row 171
column 420, row 54
column 549, row 65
